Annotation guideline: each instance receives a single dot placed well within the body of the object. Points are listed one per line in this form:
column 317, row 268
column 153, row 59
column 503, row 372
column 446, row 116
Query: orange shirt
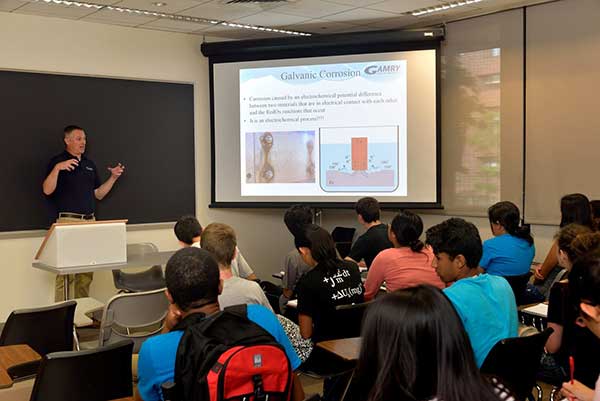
column 401, row 268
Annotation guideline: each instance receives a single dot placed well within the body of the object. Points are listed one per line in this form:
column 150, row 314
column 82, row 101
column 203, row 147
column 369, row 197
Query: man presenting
column 72, row 184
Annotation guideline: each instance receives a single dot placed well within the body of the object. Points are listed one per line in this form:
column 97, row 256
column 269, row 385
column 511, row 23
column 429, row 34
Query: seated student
column 219, row 239
column 330, row 282
column 569, row 339
column 485, row 303
column 188, row 231
column 296, row 219
column 584, row 287
column 193, row 285
column 511, row 251
column 405, row 265
column 574, row 209
column 375, row 239
column 414, row 347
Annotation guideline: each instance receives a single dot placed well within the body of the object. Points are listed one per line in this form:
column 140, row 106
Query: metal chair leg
column 76, row 339
column 553, row 393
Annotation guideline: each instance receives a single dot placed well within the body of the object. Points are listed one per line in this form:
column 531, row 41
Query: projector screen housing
column 284, row 125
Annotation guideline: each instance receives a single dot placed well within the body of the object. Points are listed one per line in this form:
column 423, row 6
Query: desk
column 11, row 355
column 346, row 348
column 134, row 259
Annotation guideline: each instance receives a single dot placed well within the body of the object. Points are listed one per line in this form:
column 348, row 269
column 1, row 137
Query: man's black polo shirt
column 74, row 189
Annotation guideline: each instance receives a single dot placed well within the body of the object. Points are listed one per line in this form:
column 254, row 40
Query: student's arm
column 306, row 325
column 358, row 251
column 555, row 339
column 541, row 271
column 297, row 389
column 244, row 268
column 375, row 278
column 577, row 391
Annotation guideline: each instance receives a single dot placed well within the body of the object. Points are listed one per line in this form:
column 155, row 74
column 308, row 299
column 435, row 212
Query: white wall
column 32, row 43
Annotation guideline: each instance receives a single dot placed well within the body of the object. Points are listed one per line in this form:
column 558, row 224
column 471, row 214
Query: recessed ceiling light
column 159, row 4
column 441, row 7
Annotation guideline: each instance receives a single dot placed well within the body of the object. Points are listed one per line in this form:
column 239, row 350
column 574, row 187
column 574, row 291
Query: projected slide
column 324, row 130
column 361, row 159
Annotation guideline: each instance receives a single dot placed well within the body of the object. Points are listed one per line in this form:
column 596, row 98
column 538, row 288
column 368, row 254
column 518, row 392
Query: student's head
column 296, row 219
column 584, row 286
column 572, row 244
column 575, row 208
column 595, row 206
column 219, row 239
column 75, row 140
column 187, row 230
column 317, row 247
column 367, row 210
column 414, row 347
column 192, row 278
column 405, row 230
column 505, row 219
column 457, row 248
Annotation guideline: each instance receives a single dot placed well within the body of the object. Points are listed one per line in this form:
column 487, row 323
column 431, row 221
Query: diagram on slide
column 359, row 159
column 280, row 157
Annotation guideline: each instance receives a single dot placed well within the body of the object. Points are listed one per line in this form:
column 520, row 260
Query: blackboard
column 147, row 126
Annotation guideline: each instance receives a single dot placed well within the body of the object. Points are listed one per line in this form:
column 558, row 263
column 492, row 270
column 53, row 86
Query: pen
column 572, row 371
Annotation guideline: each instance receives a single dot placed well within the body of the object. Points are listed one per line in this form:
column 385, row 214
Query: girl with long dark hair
column 330, row 282
column 405, row 265
column 574, row 209
column 511, row 251
column 414, row 347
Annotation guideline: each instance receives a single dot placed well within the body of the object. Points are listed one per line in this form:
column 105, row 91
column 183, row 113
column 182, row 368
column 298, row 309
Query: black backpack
column 226, row 356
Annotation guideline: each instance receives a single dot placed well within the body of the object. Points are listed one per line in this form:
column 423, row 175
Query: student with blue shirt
column 485, row 303
column 193, row 286
column 511, row 251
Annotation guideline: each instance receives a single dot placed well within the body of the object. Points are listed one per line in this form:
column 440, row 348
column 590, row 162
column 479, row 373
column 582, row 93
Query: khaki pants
column 79, row 284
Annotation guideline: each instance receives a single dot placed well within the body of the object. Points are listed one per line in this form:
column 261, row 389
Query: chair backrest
column 342, row 236
column 352, row 316
column 141, row 248
column 135, row 316
column 94, row 375
column 47, row 329
column 515, row 361
column 518, row 285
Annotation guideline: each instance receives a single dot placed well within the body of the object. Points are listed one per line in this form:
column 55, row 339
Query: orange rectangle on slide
column 360, row 158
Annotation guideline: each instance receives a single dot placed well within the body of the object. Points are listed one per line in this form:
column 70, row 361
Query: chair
column 342, row 236
column 515, row 361
column 518, row 285
column 147, row 280
column 134, row 316
column 46, row 329
column 352, row 315
column 94, row 375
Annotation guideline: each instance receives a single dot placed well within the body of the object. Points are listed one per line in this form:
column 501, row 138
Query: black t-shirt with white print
column 320, row 291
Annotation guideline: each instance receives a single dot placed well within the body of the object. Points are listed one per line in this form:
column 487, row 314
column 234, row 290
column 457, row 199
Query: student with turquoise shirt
column 511, row 251
column 485, row 303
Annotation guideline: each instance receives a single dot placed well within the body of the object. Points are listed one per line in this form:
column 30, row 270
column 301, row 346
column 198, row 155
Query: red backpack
column 226, row 356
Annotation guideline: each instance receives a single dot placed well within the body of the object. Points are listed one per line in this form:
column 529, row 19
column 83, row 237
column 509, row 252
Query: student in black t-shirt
column 375, row 239
column 331, row 282
column 574, row 242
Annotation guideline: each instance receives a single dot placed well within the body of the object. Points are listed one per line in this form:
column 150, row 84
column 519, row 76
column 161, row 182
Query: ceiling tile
column 312, row 8
column 10, row 5
column 165, row 24
column 55, row 10
column 240, row 34
column 355, row 3
column 399, row 7
column 360, row 16
column 171, row 7
column 394, row 23
column 219, row 10
column 269, row 18
column 320, row 26
column 119, row 18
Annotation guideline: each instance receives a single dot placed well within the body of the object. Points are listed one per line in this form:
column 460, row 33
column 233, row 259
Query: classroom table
column 11, row 355
column 346, row 348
